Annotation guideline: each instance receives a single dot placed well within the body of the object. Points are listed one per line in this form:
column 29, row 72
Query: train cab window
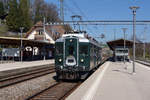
column 71, row 50
column 59, row 49
column 125, row 51
column 122, row 51
column 83, row 49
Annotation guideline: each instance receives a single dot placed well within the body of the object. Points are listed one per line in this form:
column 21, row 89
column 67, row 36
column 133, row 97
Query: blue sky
column 107, row 10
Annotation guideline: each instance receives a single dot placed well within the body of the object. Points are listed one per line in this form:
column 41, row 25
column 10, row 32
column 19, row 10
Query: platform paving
column 117, row 83
column 19, row 65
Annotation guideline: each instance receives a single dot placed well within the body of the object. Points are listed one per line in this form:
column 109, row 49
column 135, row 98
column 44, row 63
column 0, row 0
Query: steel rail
column 24, row 77
column 58, row 91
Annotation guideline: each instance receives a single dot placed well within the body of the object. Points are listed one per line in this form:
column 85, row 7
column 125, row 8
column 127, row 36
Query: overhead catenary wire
column 70, row 9
column 81, row 12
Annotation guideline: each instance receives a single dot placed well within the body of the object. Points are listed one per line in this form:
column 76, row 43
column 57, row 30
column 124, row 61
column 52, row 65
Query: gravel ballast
column 23, row 90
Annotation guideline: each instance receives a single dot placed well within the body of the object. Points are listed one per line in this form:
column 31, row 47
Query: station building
column 38, row 43
column 117, row 46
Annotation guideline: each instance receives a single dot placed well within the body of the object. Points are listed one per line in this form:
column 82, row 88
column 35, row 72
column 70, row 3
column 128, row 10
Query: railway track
column 143, row 62
column 11, row 80
column 58, row 91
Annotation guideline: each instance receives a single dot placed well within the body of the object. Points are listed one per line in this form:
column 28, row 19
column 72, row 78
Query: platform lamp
column 124, row 32
column 144, row 38
column 21, row 45
column 134, row 8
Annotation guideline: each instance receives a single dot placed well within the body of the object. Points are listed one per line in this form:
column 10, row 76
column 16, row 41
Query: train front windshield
column 122, row 51
column 71, row 50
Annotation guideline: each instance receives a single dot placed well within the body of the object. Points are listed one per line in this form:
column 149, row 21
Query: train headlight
column 61, row 67
column 82, row 60
column 71, row 40
column 60, row 60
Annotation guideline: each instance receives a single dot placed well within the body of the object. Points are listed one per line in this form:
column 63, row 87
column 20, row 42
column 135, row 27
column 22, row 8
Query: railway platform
column 8, row 69
column 143, row 62
column 115, row 81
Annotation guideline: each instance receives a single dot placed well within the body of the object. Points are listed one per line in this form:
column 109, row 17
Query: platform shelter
column 117, row 46
column 29, row 48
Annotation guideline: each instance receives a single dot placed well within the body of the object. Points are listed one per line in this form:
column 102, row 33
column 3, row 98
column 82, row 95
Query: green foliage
column 25, row 20
column 23, row 13
column 19, row 15
column 2, row 12
column 13, row 16
column 3, row 30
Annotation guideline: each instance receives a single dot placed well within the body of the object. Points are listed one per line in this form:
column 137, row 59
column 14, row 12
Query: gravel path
column 23, row 90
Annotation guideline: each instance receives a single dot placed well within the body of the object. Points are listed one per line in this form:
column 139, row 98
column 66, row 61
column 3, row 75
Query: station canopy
column 17, row 41
column 119, row 43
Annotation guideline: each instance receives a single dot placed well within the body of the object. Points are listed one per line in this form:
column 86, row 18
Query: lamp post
column 114, row 34
column 124, row 31
column 134, row 8
column 144, row 38
column 44, row 31
column 21, row 30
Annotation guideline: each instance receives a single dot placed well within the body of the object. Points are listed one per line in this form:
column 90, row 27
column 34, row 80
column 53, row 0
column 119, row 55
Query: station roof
column 17, row 41
column 118, row 43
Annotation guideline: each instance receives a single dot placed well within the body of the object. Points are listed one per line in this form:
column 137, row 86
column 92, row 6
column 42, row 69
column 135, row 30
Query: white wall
column 32, row 36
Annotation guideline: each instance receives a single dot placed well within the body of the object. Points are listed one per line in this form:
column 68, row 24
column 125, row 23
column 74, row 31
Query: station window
column 83, row 49
column 39, row 32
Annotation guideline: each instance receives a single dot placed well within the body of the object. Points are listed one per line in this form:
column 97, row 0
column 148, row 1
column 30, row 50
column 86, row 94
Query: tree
column 37, row 10
column 67, row 28
column 51, row 13
column 1, row 9
column 12, row 19
column 42, row 9
column 24, row 12
column 19, row 15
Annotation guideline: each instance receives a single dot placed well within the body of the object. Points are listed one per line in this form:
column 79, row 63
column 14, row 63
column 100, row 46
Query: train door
column 71, row 52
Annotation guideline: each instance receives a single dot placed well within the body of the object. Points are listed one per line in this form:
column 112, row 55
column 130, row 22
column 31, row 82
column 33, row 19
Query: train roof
column 81, row 37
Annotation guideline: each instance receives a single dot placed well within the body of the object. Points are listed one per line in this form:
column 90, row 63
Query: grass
column 3, row 29
column 4, row 32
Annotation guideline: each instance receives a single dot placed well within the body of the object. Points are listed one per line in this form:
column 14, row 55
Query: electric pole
column 21, row 44
column 124, row 31
column 114, row 34
column 62, row 10
column 44, row 33
column 144, row 38
column 134, row 8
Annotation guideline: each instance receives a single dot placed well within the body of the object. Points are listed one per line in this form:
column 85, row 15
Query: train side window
column 59, row 49
column 83, row 49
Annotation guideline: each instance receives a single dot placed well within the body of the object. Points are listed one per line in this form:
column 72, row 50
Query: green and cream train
column 76, row 55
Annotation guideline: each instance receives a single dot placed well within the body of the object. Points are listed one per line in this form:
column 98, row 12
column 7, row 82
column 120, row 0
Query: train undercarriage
column 72, row 75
